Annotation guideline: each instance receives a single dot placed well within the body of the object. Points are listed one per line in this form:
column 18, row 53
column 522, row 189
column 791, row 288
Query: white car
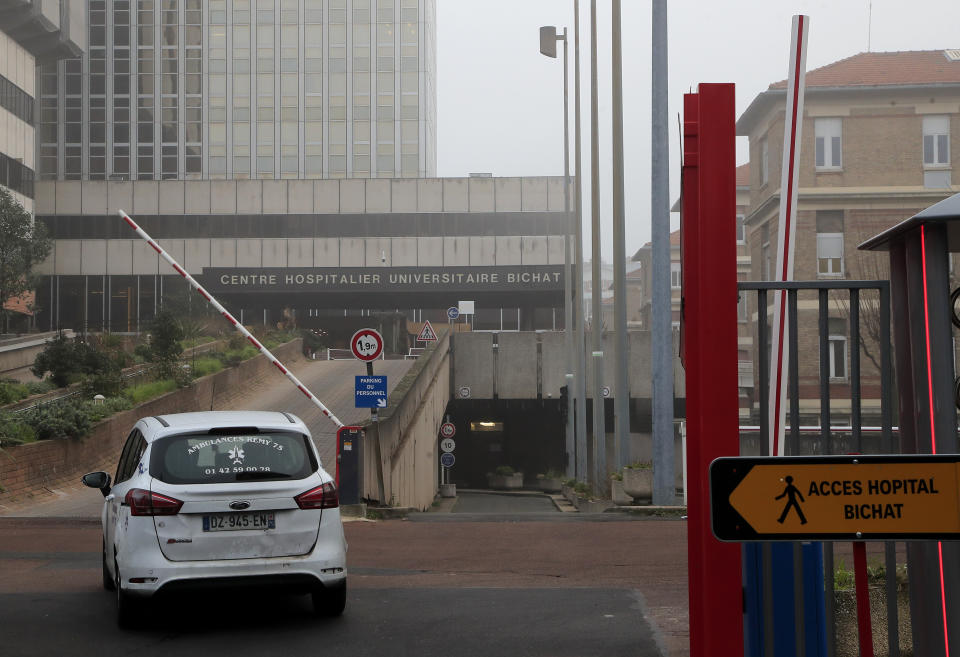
column 219, row 499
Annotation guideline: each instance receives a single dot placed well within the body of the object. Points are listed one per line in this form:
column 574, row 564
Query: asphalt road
column 455, row 588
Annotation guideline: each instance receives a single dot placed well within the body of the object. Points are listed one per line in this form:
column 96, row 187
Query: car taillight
column 321, row 497
column 145, row 503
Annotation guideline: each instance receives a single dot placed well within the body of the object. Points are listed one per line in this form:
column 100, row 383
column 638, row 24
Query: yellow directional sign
column 835, row 497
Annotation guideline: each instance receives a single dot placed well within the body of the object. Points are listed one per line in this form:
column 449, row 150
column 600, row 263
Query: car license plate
column 224, row 522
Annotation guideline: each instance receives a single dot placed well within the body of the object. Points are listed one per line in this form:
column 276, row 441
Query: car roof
column 174, row 423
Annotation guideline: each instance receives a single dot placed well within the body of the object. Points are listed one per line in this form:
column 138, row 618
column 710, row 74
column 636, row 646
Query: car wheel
column 330, row 601
column 108, row 583
column 126, row 605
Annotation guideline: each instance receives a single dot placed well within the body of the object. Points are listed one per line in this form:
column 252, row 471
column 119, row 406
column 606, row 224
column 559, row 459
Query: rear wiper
column 245, row 476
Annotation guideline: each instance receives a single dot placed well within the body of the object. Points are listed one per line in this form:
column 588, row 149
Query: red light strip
column 223, row 311
column 933, row 434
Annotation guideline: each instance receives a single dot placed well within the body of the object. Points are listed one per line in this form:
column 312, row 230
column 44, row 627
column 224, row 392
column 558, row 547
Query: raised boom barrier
column 230, row 318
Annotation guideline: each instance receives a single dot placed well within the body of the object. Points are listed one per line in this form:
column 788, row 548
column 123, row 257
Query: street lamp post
column 548, row 47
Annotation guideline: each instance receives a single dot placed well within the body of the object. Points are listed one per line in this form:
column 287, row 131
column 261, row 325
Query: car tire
column 108, row 583
column 127, row 605
column 330, row 601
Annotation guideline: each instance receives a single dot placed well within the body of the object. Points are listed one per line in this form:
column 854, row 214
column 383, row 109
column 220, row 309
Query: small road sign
column 448, row 445
column 447, row 460
column 836, row 498
column 448, row 430
column 366, row 344
column 453, row 312
column 370, row 392
column 427, row 334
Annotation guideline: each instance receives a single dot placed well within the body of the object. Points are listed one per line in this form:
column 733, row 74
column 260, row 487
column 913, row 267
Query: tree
column 23, row 244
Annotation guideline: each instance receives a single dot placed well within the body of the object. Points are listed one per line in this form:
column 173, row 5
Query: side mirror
column 100, row 480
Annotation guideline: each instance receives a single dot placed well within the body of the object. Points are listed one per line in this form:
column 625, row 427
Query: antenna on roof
column 869, row 22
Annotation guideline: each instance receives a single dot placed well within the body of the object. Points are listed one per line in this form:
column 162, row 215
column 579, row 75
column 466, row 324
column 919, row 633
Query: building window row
column 16, row 176
column 828, row 147
column 16, row 101
column 306, row 225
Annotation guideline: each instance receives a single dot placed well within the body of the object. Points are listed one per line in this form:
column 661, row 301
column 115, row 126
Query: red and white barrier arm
column 230, row 318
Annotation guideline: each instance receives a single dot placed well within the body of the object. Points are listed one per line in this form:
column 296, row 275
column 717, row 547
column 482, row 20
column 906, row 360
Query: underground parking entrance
column 525, row 435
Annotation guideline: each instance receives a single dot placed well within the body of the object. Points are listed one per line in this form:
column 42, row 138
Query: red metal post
column 710, row 359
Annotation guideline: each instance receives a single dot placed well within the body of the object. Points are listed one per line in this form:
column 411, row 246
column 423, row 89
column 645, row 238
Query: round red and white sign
column 447, row 430
column 367, row 344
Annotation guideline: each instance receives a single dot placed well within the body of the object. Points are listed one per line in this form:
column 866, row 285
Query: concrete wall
column 507, row 365
column 407, row 433
column 26, row 470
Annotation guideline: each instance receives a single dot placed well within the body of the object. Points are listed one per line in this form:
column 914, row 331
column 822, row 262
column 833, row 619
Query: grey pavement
column 495, row 502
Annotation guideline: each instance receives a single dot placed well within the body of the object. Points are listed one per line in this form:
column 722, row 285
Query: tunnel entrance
column 526, row 435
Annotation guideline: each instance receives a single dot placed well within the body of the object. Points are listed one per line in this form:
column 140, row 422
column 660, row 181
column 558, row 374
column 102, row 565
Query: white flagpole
column 787, row 230
column 237, row 325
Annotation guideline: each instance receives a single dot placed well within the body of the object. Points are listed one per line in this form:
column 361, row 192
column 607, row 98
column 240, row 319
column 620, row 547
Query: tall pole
column 599, row 430
column 664, row 488
column 621, row 402
column 567, row 272
column 580, row 365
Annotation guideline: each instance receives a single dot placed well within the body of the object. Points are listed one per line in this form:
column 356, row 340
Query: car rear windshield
column 227, row 457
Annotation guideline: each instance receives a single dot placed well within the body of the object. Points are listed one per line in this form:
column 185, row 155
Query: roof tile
column 870, row 69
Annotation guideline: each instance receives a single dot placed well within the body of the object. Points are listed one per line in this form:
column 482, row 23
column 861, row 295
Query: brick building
column 875, row 150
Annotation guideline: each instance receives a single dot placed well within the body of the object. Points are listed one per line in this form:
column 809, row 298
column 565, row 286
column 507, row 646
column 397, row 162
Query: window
column 828, row 143
column 741, row 230
column 675, row 275
column 742, row 310
column 830, row 242
column 764, row 161
column 837, row 347
column 766, row 267
column 936, row 141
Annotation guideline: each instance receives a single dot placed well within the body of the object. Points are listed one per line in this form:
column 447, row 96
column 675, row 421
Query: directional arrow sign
column 370, row 391
column 836, row 498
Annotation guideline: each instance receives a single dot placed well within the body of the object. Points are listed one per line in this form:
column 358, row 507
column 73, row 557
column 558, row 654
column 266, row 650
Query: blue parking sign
column 370, row 392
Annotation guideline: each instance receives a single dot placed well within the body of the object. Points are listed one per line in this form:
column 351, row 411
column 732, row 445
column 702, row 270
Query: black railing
column 826, row 444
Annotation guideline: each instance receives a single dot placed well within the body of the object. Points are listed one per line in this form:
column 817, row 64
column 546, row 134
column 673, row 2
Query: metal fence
column 825, row 442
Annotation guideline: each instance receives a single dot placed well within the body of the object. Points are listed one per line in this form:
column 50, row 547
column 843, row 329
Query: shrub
column 204, row 366
column 68, row 418
column 12, row 392
column 147, row 391
column 640, row 465
column 13, row 431
column 40, row 387
column 503, row 471
column 68, row 361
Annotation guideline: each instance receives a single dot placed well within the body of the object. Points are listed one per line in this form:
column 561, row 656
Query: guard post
column 350, row 464
column 921, row 298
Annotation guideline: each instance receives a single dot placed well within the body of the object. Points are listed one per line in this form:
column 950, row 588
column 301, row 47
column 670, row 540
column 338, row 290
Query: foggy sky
column 500, row 102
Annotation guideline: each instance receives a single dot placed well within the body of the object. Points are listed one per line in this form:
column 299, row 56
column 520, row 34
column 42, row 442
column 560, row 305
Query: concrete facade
column 375, row 244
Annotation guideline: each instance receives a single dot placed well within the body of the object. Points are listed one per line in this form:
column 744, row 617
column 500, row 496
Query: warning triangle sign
column 427, row 334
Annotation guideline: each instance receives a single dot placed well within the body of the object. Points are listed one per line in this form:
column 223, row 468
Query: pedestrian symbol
column 791, row 492
column 427, row 334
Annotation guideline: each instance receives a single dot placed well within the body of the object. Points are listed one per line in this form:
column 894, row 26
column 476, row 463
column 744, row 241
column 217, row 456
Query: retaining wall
column 31, row 469
column 407, row 434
